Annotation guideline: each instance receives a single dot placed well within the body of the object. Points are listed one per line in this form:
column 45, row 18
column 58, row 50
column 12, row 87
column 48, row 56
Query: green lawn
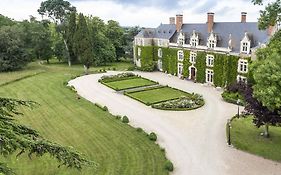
column 157, row 95
column 130, row 83
column 118, row 148
column 246, row 136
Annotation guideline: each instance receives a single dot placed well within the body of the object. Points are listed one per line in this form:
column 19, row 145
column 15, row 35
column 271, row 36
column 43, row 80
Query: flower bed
column 118, row 77
column 193, row 101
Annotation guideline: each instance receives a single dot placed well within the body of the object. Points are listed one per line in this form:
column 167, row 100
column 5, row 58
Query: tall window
column 209, row 76
column 180, row 55
column 180, row 69
column 192, row 58
column 210, row 60
column 139, row 52
column 243, row 66
column 181, row 39
column 194, row 42
column 160, row 53
column 211, row 44
column 245, row 47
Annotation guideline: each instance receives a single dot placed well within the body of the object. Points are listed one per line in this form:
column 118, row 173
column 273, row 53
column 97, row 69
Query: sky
column 143, row 13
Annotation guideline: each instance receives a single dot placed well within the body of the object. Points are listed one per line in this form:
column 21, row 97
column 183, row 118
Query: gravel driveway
column 194, row 140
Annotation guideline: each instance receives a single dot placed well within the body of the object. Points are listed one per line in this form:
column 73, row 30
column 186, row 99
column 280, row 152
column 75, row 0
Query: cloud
column 205, row 6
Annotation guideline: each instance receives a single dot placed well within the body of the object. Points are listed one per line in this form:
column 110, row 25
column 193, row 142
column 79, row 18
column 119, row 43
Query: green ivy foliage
column 201, row 67
column 147, row 58
column 225, row 66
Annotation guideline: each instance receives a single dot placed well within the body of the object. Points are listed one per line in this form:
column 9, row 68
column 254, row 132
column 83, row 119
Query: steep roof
column 223, row 30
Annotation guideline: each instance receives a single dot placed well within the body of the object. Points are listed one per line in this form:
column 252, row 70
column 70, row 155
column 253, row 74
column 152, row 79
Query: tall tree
column 15, row 137
column 116, row 35
column 83, row 45
column 103, row 50
column 58, row 11
column 129, row 35
column 70, row 32
column 271, row 14
column 13, row 56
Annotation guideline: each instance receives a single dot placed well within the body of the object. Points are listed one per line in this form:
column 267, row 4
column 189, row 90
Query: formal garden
column 151, row 93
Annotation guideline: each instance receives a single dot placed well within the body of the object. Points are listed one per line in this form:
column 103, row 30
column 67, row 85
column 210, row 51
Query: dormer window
column 210, row 60
column 181, row 39
column 245, row 44
column 160, row 42
column 192, row 58
column 194, row 40
column 212, row 41
column 160, row 53
column 180, row 55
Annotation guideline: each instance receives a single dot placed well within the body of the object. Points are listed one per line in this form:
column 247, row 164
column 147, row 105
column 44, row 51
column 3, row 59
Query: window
column 241, row 79
column 139, row 52
column 210, row 60
column 180, row 55
column 243, row 66
column 192, row 58
column 160, row 53
column 245, row 44
column 181, row 39
column 209, row 76
column 180, row 69
column 194, row 39
column 160, row 42
column 160, row 65
column 212, row 41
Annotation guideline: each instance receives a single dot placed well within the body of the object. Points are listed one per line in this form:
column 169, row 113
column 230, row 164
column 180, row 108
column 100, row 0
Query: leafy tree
column 70, row 32
column 5, row 21
column 129, row 35
column 13, row 56
column 16, row 137
column 104, row 50
column 271, row 15
column 262, row 114
column 83, row 45
column 58, row 11
column 116, row 33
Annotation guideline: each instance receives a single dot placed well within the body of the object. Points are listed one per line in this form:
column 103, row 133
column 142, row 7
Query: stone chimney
column 172, row 20
column 179, row 22
column 243, row 17
column 210, row 21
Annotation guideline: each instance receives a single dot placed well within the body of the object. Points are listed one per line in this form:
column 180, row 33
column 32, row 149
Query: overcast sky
column 145, row 13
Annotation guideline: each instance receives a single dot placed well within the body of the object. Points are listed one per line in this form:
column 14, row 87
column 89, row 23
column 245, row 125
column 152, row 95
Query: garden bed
column 126, row 81
column 232, row 97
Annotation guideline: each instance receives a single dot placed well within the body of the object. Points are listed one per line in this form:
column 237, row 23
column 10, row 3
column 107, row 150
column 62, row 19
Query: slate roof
column 221, row 29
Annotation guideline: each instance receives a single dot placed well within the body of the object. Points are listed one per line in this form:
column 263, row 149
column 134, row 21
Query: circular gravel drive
column 194, row 140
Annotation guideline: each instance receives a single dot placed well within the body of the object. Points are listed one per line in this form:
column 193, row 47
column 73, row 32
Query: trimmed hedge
column 232, row 97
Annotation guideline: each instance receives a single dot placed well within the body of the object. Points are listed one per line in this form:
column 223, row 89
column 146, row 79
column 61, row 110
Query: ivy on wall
column 201, row 67
column 225, row 66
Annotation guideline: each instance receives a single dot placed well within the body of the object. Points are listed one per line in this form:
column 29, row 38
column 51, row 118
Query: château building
column 216, row 53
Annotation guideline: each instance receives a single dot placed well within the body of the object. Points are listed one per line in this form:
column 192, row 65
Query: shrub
column 105, row 108
column 152, row 136
column 125, row 119
column 131, row 68
column 139, row 130
column 118, row 77
column 118, row 117
column 169, row 166
column 114, row 68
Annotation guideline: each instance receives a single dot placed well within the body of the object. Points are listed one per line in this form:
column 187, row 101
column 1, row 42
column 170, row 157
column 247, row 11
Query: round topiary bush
column 169, row 166
column 105, row 108
column 125, row 119
column 152, row 136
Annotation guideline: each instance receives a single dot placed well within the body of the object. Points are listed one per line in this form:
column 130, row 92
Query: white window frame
column 210, row 60
column 180, row 55
column 243, row 66
column 160, row 65
column 194, row 39
column 160, row 53
column 245, row 45
column 180, row 71
column 139, row 51
column 181, row 39
column 209, row 76
column 192, row 57
column 212, row 41
column 241, row 78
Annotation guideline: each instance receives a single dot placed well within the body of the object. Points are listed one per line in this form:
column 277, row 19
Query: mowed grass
column 117, row 148
column 130, row 83
column 246, row 136
column 157, row 95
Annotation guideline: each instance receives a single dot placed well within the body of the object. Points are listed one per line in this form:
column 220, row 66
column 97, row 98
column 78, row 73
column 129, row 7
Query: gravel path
column 194, row 140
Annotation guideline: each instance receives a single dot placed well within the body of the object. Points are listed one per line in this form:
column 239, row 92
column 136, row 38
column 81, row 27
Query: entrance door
column 193, row 73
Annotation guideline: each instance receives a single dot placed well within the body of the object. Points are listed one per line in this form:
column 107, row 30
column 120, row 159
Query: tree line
column 63, row 34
